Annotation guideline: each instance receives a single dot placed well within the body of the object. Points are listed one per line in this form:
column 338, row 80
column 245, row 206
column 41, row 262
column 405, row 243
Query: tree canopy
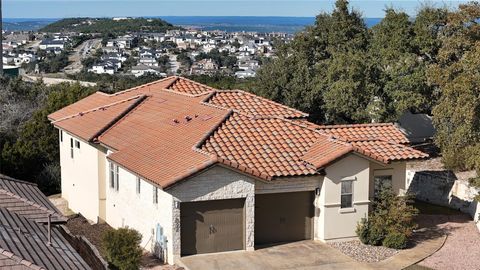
column 340, row 71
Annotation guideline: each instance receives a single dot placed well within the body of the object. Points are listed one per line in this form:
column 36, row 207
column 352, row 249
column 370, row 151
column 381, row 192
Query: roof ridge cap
column 186, row 94
column 97, row 108
column 355, row 125
column 8, row 178
column 212, row 131
column 119, row 117
column 31, row 203
column 141, row 86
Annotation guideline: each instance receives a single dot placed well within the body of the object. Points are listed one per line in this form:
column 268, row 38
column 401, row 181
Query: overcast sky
column 112, row 8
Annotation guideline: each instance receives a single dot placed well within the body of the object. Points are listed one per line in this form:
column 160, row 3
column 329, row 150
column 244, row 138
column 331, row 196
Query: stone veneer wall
column 216, row 183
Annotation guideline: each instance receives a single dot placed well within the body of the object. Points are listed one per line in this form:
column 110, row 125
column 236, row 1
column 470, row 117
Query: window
column 117, row 180
column 61, row 136
column 155, row 195
column 381, row 182
column 77, row 144
column 112, row 175
column 138, row 184
column 71, row 147
column 346, row 194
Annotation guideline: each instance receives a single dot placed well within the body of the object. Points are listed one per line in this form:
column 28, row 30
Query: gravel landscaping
column 364, row 253
column 462, row 247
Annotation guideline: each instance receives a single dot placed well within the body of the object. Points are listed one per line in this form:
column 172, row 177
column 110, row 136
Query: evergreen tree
column 457, row 75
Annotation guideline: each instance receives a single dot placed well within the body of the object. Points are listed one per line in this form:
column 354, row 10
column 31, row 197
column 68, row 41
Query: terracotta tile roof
column 25, row 199
column 269, row 146
column 186, row 86
column 325, row 152
column 251, row 104
column 384, row 131
column 100, row 99
column 387, row 151
column 89, row 123
column 25, row 242
column 167, row 130
column 156, row 139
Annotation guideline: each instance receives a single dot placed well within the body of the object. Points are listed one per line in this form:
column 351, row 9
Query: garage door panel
column 283, row 217
column 212, row 226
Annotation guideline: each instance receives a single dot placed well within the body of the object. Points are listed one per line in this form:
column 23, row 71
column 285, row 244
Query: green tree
column 122, row 247
column 457, row 75
column 310, row 73
column 400, row 72
column 36, row 145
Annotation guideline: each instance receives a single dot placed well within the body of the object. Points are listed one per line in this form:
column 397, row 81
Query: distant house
column 104, row 67
column 141, row 70
column 149, row 61
column 247, row 73
column 29, row 241
column 52, row 44
column 199, row 170
column 248, row 64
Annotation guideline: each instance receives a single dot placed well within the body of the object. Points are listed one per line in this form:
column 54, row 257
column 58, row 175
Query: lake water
column 226, row 23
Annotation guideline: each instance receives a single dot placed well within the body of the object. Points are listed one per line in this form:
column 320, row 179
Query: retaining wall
column 445, row 189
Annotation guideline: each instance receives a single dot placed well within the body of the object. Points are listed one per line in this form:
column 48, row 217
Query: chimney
column 49, row 228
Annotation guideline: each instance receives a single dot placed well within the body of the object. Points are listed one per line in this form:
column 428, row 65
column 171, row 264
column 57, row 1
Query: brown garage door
column 212, row 226
column 283, row 217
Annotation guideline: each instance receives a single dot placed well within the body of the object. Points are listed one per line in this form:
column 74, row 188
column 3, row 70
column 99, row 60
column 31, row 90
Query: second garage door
column 212, row 226
column 283, row 217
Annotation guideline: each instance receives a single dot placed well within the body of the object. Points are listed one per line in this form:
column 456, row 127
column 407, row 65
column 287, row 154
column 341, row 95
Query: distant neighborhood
column 173, row 52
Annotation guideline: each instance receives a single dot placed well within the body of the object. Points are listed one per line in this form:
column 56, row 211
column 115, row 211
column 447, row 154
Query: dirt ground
column 78, row 225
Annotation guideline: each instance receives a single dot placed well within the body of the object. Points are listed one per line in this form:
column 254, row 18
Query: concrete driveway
column 299, row 255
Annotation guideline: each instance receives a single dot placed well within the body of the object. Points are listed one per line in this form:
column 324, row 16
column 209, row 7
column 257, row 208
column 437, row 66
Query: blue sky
column 111, row 8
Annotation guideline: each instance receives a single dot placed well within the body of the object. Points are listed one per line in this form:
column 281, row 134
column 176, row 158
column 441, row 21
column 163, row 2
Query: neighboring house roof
column 23, row 243
column 417, row 126
column 168, row 130
column 251, row 104
column 27, row 200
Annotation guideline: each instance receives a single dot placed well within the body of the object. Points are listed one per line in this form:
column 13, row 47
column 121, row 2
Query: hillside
column 108, row 25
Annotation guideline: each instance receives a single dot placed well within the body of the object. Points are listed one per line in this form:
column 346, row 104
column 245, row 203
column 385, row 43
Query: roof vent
column 188, row 118
column 176, row 121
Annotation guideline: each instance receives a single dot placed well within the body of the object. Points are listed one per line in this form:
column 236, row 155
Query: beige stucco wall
column 334, row 222
column 398, row 172
column 126, row 208
column 80, row 177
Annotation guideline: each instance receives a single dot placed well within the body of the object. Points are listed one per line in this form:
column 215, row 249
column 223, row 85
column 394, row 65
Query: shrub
column 395, row 240
column 390, row 223
column 122, row 248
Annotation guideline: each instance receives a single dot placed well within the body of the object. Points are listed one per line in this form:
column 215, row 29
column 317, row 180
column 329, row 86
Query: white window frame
column 352, row 181
column 112, row 175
